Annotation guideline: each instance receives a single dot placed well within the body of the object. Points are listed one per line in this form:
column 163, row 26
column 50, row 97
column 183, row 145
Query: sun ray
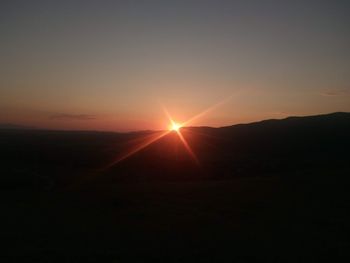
column 138, row 148
column 188, row 148
column 167, row 114
column 206, row 111
column 174, row 127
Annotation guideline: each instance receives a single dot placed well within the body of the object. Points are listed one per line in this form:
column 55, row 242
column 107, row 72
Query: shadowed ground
column 275, row 191
column 249, row 220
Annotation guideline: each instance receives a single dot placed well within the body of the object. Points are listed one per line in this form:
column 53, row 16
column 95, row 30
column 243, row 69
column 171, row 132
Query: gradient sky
column 113, row 65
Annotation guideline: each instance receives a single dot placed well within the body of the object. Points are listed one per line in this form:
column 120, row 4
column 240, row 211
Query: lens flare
column 175, row 126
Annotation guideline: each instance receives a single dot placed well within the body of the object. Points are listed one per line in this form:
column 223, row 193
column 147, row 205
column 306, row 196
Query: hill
column 271, row 191
column 289, row 146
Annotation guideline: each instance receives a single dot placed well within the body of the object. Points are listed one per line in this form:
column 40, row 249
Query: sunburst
column 173, row 127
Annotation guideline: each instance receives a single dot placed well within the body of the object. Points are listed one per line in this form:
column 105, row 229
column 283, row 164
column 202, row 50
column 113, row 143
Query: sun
column 175, row 126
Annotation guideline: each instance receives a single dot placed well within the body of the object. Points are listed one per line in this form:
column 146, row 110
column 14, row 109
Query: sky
column 115, row 65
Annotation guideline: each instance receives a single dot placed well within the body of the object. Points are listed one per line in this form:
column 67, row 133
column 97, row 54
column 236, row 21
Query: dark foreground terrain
column 274, row 191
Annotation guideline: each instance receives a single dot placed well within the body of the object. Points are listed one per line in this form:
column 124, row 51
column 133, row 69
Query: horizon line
column 20, row 127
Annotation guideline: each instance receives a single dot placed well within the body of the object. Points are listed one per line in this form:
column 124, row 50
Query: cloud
column 335, row 92
column 78, row 117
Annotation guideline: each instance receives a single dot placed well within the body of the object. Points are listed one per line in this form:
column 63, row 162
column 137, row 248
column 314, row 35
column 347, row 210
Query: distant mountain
column 324, row 119
column 295, row 146
column 268, row 147
column 11, row 126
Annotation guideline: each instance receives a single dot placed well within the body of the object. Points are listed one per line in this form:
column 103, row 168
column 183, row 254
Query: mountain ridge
column 11, row 126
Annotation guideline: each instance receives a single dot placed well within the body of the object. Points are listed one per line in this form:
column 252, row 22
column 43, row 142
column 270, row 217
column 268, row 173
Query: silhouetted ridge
column 266, row 147
column 271, row 147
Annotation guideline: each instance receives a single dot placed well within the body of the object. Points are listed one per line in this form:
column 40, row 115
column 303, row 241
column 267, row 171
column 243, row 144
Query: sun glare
column 175, row 126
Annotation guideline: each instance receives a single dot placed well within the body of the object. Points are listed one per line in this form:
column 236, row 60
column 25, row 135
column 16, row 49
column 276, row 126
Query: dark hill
column 271, row 191
column 291, row 145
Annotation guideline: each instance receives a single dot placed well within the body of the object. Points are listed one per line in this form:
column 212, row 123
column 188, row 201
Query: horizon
column 175, row 130
column 13, row 126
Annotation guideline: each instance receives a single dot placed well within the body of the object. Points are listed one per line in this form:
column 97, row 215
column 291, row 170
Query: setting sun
column 175, row 126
